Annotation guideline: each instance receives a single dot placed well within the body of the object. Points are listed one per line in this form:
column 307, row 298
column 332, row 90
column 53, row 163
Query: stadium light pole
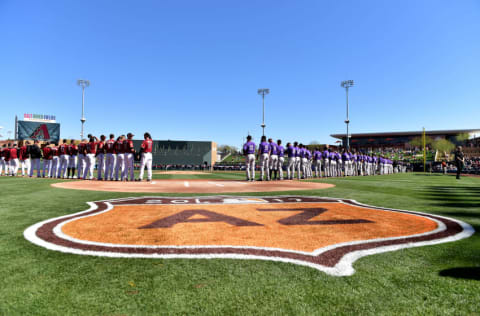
column 83, row 83
column 263, row 92
column 347, row 84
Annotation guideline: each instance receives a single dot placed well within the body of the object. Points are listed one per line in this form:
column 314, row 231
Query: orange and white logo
column 323, row 233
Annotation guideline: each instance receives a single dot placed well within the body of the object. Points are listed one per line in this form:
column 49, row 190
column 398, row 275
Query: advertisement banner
column 38, row 131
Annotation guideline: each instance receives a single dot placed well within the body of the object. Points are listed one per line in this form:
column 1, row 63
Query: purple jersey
column 273, row 149
column 301, row 153
column 249, row 148
column 326, row 154
column 297, row 151
column 317, row 155
column 280, row 150
column 264, row 148
column 308, row 154
column 291, row 151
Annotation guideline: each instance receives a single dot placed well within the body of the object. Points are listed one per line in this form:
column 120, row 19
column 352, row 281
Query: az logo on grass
column 323, row 233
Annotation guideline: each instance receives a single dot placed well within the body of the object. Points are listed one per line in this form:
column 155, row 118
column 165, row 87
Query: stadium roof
column 438, row 132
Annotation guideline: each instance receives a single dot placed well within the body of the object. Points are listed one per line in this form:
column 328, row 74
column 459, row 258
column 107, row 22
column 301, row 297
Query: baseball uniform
column 110, row 159
column 146, row 160
column 249, row 152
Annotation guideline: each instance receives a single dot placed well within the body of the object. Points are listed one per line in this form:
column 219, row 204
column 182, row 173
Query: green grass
column 420, row 281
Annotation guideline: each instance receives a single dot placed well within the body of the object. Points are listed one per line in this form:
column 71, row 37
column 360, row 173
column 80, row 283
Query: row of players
column 303, row 162
column 114, row 158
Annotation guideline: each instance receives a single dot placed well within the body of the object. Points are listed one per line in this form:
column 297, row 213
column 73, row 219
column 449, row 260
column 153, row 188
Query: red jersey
column 6, row 153
column 147, row 145
column 91, row 147
column 110, row 146
column 128, row 146
column 23, row 153
column 72, row 150
column 47, row 153
column 63, row 149
column 13, row 153
column 54, row 151
column 81, row 149
column 119, row 147
column 101, row 147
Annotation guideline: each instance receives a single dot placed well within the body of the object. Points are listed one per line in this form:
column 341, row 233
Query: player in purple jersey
column 291, row 153
column 273, row 160
column 249, row 153
column 317, row 162
column 263, row 156
column 281, row 158
column 298, row 163
column 326, row 161
column 302, row 161
column 308, row 155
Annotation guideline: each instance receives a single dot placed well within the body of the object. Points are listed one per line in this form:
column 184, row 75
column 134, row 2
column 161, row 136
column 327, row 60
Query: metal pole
column 263, row 117
column 348, row 141
column 83, row 110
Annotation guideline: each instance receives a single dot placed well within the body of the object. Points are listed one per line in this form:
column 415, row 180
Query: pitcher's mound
column 192, row 186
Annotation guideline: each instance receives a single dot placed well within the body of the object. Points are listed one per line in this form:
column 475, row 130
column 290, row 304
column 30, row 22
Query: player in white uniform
column 281, row 157
column 111, row 158
column 146, row 160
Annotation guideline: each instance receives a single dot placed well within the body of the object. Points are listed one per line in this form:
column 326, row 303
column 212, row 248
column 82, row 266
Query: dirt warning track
column 192, row 186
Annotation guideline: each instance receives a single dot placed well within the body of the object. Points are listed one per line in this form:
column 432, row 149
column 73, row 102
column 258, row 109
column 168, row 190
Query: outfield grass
column 441, row 279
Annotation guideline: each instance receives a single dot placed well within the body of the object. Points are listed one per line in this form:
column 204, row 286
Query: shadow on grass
column 453, row 196
column 471, row 273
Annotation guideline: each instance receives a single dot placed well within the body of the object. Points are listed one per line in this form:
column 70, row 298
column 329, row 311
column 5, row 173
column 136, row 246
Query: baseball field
column 424, row 279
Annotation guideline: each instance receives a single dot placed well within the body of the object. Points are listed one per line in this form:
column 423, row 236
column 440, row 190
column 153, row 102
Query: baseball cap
column 130, row 134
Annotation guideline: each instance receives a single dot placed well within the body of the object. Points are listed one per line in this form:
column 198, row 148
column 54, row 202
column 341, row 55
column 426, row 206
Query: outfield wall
column 167, row 152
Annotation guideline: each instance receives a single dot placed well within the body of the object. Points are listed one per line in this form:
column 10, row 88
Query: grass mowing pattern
column 441, row 279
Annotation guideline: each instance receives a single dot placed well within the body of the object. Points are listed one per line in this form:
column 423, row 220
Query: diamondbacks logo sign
column 323, row 233
column 41, row 132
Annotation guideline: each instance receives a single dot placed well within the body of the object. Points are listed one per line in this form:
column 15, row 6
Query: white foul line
column 217, row 184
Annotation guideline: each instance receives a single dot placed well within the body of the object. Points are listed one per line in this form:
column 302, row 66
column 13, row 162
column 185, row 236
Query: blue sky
column 190, row 70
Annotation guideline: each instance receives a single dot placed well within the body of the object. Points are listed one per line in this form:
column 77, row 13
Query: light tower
column 263, row 92
column 83, row 84
column 347, row 84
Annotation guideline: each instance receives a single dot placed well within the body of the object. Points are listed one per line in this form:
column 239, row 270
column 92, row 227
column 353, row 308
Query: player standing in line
column 249, row 153
column 91, row 149
column 129, row 157
column 298, row 160
column 72, row 160
column 6, row 154
column 81, row 158
column 47, row 160
column 263, row 153
column 3, row 169
column 345, row 162
column 55, row 160
column 317, row 162
column 111, row 158
column 326, row 162
column 301, row 163
column 14, row 164
column 309, row 156
column 281, row 157
column 101, row 158
column 24, row 159
column 146, row 160
column 119, row 166
column 333, row 163
column 291, row 161
column 273, row 160
column 64, row 158
column 35, row 154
